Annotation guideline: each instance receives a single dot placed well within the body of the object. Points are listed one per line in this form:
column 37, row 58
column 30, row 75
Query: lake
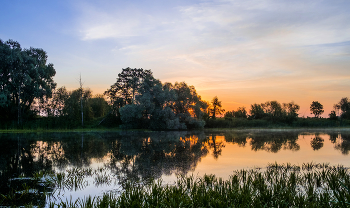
column 123, row 156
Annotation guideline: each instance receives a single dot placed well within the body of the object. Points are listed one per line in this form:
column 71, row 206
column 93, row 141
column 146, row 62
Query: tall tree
column 24, row 77
column 127, row 86
column 272, row 108
column 344, row 106
column 68, row 105
column 241, row 112
column 99, row 106
column 256, row 111
column 290, row 112
column 216, row 107
column 316, row 108
column 188, row 102
column 167, row 106
column 291, row 109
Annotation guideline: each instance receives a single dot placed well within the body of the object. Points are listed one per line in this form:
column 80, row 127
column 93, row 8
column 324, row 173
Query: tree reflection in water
column 215, row 145
column 317, row 142
column 139, row 155
column 344, row 144
column 266, row 141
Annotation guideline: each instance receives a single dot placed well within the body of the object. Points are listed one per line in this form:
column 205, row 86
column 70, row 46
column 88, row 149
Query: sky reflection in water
column 143, row 155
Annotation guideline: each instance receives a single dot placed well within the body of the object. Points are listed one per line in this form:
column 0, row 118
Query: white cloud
column 228, row 44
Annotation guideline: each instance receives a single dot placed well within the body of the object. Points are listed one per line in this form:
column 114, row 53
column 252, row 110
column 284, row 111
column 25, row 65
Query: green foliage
column 275, row 112
column 286, row 185
column 127, row 86
column 167, row 106
column 25, row 79
column 64, row 109
column 316, row 108
column 99, row 106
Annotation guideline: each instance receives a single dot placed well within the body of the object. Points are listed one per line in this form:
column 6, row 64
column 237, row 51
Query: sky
column 244, row 52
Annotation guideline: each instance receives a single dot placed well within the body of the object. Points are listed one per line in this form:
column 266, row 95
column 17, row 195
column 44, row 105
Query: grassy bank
column 309, row 185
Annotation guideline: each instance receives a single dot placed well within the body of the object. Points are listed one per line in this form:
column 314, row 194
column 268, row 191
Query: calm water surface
column 135, row 155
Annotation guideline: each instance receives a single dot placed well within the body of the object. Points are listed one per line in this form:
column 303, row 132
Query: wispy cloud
column 229, row 44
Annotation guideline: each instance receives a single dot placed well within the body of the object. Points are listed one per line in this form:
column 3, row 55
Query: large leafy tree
column 188, row 102
column 316, row 108
column 167, row 106
column 25, row 78
column 127, row 86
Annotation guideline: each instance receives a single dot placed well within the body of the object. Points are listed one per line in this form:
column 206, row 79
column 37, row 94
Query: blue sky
column 242, row 51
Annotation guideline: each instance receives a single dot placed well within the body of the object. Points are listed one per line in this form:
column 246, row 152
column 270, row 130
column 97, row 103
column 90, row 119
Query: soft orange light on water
column 236, row 157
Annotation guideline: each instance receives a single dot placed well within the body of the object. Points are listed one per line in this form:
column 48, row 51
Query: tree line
column 136, row 100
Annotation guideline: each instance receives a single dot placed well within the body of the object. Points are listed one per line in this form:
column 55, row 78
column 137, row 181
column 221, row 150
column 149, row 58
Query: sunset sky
column 244, row 52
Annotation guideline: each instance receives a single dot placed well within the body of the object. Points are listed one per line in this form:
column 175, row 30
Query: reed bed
column 286, row 185
column 277, row 185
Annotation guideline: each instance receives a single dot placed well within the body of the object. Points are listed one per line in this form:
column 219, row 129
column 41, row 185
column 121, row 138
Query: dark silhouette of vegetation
column 239, row 113
column 159, row 106
column 29, row 99
column 316, row 108
column 25, row 81
column 216, row 108
column 127, row 86
column 344, row 106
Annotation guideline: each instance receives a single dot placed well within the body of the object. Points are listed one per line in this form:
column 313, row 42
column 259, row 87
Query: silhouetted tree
column 165, row 106
column 188, row 102
column 256, row 111
column 126, row 87
column 291, row 109
column 344, row 106
column 333, row 115
column 316, row 108
column 272, row 108
column 241, row 113
column 229, row 115
column 216, row 107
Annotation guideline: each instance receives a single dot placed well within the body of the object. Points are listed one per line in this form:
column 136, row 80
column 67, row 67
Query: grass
column 286, row 185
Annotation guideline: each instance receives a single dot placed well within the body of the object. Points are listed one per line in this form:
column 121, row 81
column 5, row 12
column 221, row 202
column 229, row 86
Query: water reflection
column 144, row 155
column 317, row 142
column 342, row 143
column 140, row 156
column 266, row 141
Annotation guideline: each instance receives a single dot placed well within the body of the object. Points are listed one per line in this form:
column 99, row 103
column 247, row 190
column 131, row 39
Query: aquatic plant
column 277, row 185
